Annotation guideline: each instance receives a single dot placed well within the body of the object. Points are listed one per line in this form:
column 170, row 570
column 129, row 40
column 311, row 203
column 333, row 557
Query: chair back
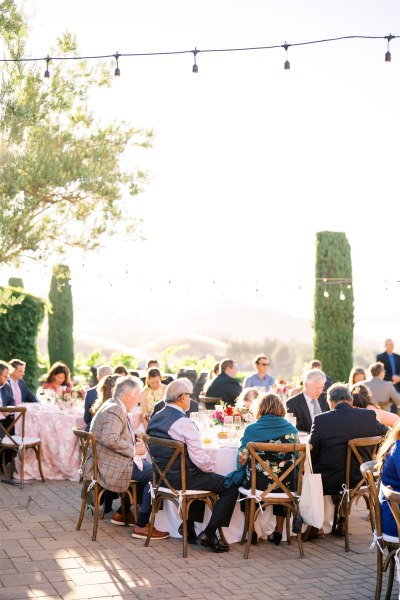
column 299, row 456
column 159, row 473
column 209, row 401
column 368, row 472
column 17, row 413
column 393, row 499
column 88, row 447
column 353, row 447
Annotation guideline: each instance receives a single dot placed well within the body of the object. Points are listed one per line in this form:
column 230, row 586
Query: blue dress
column 390, row 476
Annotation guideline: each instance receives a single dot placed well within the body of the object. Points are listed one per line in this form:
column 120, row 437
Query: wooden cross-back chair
column 163, row 490
column 18, row 444
column 209, row 402
column 360, row 490
column 256, row 499
column 382, row 542
column 93, row 487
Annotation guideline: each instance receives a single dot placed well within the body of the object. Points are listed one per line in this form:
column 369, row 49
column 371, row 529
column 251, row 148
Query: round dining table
column 59, row 447
column 224, row 457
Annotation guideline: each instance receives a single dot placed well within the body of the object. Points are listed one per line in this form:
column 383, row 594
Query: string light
column 389, row 38
column 286, row 66
column 326, row 294
column 388, row 56
column 195, row 67
column 342, row 296
column 47, row 72
column 117, row 72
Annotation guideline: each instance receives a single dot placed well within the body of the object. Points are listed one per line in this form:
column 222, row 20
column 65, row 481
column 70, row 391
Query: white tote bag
column 311, row 501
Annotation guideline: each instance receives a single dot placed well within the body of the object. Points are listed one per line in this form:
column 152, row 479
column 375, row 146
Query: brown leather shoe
column 141, row 533
column 117, row 519
column 312, row 533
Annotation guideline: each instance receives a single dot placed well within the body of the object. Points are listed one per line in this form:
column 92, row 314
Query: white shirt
column 310, row 406
column 184, row 430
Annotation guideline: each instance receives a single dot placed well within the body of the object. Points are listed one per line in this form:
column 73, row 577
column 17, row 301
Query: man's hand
column 396, row 378
column 140, row 448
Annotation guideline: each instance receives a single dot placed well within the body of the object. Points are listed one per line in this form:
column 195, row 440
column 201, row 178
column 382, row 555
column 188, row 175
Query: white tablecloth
column 60, row 448
column 225, row 459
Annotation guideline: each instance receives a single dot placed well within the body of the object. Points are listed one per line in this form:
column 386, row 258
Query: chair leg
column 250, row 528
column 134, row 502
column 390, row 580
column 38, row 453
column 287, row 519
column 153, row 518
column 185, row 513
column 96, row 502
column 246, row 521
column 336, row 500
column 22, row 466
column 379, row 572
column 123, row 508
column 83, row 506
column 346, row 503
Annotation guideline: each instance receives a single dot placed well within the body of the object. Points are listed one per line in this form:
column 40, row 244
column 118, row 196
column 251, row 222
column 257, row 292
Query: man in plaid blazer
column 119, row 453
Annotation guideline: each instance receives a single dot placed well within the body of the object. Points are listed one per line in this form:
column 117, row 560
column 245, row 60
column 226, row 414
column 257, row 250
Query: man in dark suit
column 6, row 399
column 329, row 436
column 20, row 390
column 226, row 386
column 91, row 394
column 391, row 362
column 310, row 402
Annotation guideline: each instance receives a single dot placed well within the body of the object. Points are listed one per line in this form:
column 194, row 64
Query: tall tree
column 334, row 305
column 60, row 336
column 62, row 183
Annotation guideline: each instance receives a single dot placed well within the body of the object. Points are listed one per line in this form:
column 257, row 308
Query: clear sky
column 249, row 160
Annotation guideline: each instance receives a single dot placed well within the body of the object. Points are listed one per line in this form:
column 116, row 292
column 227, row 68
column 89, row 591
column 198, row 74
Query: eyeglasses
column 263, row 364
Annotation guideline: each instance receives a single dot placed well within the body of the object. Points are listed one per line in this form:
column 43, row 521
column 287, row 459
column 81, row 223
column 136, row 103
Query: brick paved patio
column 42, row 556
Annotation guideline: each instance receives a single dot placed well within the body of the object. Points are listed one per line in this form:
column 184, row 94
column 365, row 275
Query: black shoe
column 212, row 543
column 275, row 537
column 254, row 539
column 191, row 534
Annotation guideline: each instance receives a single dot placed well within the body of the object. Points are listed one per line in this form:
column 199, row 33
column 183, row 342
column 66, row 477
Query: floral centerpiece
column 281, row 388
column 225, row 410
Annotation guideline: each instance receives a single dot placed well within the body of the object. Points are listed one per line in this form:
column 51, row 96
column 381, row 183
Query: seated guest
column 388, row 464
column 120, row 454
column 247, row 398
column 362, row 398
column 120, row 370
column 91, row 394
column 58, row 377
column 329, row 436
column 226, row 386
column 173, row 424
column 154, row 364
column 193, row 407
column 391, row 364
column 383, row 392
column 19, row 388
column 270, row 427
column 309, row 403
column 212, row 374
column 153, row 391
column 6, row 397
column 357, row 374
column 260, row 378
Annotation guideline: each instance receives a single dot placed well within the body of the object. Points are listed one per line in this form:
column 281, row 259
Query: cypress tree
column 60, row 337
column 333, row 305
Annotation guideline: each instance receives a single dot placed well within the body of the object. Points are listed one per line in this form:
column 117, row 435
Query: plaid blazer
column 115, row 447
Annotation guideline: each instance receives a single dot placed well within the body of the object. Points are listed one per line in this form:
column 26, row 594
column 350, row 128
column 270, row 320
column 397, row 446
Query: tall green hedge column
column 60, row 338
column 333, row 305
column 20, row 319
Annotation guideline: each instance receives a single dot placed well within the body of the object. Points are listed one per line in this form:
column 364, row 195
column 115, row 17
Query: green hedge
column 21, row 315
column 333, row 316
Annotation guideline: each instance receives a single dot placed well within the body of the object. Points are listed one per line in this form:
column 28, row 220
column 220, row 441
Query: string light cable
column 196, row 51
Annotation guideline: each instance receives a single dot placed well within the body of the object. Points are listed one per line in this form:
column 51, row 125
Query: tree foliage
column 62, row 183
column 60, row 335
column 333, row 316
column 19, row 325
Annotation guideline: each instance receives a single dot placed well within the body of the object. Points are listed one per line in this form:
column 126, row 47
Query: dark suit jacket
column 91, row 396
column 7, row 399
column 329, row 436
column 298, row 406
column 226, row 387
column 194, row 407
column 384, row 358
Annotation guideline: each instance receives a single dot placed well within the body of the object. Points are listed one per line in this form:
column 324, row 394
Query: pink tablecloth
column 60, row 448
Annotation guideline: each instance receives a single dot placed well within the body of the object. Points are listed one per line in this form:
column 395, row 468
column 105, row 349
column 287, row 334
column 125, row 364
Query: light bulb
column 342, row 296
column 326, row 293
